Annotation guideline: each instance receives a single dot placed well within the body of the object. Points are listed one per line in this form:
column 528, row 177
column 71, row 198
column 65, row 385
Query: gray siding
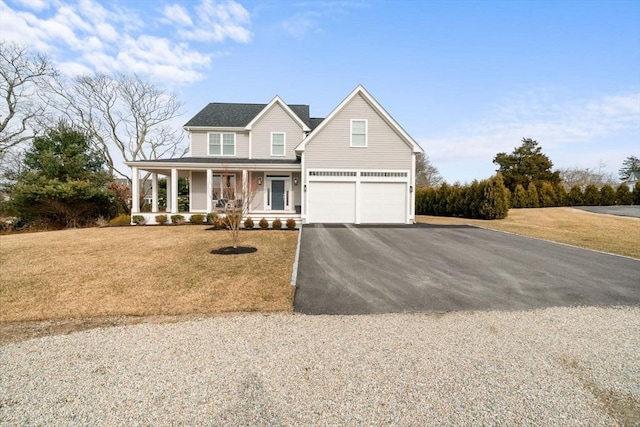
column 198, row 191
column 259, row 192
column 331, row 147
column 199, row 141
column 275, row 120
column 297, row 193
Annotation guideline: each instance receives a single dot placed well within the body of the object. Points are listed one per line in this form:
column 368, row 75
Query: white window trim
column 366, row 133
column 221, row 144
column 284, row 139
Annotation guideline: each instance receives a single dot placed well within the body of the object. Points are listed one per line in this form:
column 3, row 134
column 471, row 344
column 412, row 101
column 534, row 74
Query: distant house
column 355, row 166
column 633, row 179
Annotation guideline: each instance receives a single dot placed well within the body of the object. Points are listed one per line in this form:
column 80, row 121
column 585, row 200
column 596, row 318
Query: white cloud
column 37, row 5
column 309, row 15
column 84, row 35
column 575, row 132
column 177, row 14
column 217, row 21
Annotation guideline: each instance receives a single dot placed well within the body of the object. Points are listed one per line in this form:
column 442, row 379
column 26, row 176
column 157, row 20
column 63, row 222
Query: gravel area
column 558, row 366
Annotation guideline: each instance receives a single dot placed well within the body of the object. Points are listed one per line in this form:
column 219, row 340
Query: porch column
column 135, row 190
column 174, row 191
column 245, row 187
column 154, row 192
column 209, row 190
column 168, row 194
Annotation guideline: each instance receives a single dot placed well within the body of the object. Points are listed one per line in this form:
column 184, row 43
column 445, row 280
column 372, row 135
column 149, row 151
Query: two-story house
column 356, row 166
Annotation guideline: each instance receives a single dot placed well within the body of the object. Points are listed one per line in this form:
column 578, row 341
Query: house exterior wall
column 331, row 147
column 258, row 198
column 198, row 190
column 275, row 120
column 200, row 142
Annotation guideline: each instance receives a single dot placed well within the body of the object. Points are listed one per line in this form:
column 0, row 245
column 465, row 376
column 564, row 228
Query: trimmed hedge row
column 490, row 199
column 487, row 199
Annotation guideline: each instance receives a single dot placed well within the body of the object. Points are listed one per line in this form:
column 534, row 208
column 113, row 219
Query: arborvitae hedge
column 519, row 197
column 607, row 195
column 488, row 199
column 624, row 196
column 591, row 195
column 575, row 196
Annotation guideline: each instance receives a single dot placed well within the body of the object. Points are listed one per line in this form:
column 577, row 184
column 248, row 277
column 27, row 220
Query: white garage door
column 332, row 202
column 383, row 202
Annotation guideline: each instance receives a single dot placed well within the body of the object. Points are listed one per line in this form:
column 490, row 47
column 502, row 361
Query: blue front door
column 277, row 195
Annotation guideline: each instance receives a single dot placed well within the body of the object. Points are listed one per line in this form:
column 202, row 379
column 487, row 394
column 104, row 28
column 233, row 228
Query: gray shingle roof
column 221, row 114
column 315, row 121
column 223, row 160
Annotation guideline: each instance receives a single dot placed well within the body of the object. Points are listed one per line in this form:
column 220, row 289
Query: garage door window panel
column 359, row 133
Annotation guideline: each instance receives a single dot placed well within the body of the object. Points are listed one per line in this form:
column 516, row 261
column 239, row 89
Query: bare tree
column 235, row 202
column 22, row 74
column 128, row 117
column 427, row 175
column 582, row 177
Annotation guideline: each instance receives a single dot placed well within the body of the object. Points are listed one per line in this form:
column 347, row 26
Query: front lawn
column 608, row 233
column 142, row 271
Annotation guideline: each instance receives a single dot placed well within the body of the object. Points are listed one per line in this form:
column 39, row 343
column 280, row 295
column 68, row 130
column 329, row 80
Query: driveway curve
column 423, row 268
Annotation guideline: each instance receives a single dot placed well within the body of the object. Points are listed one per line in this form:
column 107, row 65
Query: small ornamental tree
column 636, row 194
column 591, row 195
column 607, row 196
column 575, row 196
column 238, row 203
column 623, row 195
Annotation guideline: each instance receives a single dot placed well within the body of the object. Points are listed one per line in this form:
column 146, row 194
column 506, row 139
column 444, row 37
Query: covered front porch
column 181, row 186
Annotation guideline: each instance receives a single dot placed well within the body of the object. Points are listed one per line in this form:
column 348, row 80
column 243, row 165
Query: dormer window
column 278, row 143
column 222, row 144
column 359, row 133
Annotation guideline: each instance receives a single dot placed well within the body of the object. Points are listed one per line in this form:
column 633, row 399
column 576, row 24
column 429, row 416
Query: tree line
column 525, row 179
column 63, row 139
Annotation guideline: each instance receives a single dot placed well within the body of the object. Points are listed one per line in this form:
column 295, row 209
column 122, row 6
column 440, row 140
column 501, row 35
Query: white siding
column 199, row 142
column 275, row 120
column 198, row 187
column 331, row 147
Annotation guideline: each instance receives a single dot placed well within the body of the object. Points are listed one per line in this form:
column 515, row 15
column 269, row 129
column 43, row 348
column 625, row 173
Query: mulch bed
column 230, row 250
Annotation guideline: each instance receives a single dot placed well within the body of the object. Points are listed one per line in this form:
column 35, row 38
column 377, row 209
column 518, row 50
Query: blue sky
column 467, row 79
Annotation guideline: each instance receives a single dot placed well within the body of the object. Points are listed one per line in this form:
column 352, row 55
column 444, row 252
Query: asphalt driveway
column 632, row 211
column 355, row 270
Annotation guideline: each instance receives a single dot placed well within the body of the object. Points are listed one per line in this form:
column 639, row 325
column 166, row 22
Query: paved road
column 633, row 211
column 355, row 270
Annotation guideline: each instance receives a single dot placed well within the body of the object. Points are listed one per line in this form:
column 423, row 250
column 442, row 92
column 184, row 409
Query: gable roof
column 360, row 90
column 286, row 108
column 634, row 176
column 235, row 115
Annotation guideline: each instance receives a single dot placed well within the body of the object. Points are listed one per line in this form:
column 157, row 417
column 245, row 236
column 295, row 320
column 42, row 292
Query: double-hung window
column 358, row 133
column 222, row 144
column 277, row 143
